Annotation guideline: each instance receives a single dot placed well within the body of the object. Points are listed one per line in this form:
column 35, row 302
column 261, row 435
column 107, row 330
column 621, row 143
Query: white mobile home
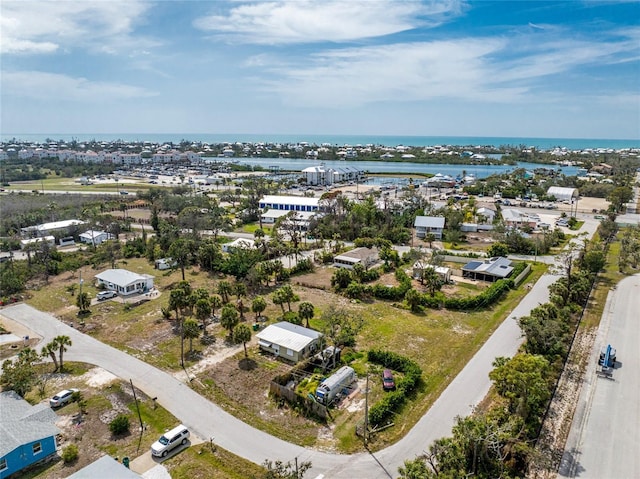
column 125, row 282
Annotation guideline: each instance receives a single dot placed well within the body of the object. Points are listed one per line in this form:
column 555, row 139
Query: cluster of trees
column 21, row 375
column 629, row 249
column 497, row 442
column 16, row 169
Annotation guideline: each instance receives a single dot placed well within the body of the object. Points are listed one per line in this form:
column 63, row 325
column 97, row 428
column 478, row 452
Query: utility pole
column 366, row 411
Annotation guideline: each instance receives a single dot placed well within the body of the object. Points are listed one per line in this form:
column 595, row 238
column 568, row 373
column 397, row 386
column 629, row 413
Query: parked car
column 388, row 382
column 102, row 295
column 62, row 398
column 170, row 440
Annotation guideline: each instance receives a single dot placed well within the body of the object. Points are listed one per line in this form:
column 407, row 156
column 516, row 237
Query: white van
column 170, row 440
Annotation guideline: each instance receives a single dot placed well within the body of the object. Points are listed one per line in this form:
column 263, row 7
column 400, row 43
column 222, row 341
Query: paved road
column 604, row 441
column 208, row 420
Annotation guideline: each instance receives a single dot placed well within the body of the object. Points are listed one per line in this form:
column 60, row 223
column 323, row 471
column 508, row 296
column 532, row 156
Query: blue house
column 28, row 433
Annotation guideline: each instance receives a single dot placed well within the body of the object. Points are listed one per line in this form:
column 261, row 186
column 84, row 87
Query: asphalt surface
column 207, row 420
column 604, row 441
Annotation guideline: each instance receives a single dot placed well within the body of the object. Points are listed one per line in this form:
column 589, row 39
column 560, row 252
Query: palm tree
column 50, row 349
column 242, row 334
column 225, row 290
column 83, row 302
column 229, row 318
column 191, row 330
column 258, row 306
column 62, row 342
column 216, row 302
column 203, row 311
column 306, row 312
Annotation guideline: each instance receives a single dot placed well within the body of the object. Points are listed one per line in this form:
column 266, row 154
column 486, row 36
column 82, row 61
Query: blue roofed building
column 28, row 433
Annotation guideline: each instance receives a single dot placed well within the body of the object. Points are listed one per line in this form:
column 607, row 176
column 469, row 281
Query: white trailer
column 334, row 384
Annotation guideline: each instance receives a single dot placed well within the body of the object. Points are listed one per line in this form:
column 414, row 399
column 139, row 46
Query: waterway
column 479, row 171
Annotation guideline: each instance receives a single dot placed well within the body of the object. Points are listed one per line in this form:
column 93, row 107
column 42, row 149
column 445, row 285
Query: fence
column 520, row 278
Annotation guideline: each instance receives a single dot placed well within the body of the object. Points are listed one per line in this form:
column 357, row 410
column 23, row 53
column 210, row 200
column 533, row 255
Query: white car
column 62, row 398
column 102, row 295
column 170, row 440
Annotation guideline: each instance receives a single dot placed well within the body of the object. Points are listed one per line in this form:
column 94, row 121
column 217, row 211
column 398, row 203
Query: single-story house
column 563, row 194
column 28, row 433
column 125, row 282
column 239, row 243
column 289, row 341
column 429, row 224
column 442, row 271
column 34, row 242
column 94, row 237
column 514, row 217
column 165, row 263
column 491, row 269
column 44, row 229
column 105, row 467
column 364, row 256
column 487, row 213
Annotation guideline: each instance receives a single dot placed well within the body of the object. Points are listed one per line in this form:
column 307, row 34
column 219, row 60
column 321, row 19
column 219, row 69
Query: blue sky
column 379, row 67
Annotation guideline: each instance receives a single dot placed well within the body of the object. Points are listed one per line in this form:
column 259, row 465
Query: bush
column 70, row 453
column 119, row 425
column 383, row 410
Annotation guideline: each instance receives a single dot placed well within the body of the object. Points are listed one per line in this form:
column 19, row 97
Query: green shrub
column 70, row 453
column 119, row 425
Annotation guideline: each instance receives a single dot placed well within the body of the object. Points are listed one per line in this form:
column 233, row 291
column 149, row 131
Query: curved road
column 605, row 435
column 208, row 420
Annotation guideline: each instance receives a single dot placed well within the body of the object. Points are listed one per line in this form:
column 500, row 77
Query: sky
column 567, row 69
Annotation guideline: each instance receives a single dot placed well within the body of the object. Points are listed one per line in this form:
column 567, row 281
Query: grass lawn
column 440, row 341
column 607, row 279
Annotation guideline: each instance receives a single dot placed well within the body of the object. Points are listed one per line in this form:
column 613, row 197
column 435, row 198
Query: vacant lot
column 440, row 341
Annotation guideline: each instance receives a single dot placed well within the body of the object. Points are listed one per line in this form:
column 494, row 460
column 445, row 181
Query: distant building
column 364, row 256
column 34, row 242
column 28, row 433
column 563, row 194
column 93, row 237
column 45, row 229
column 238, row 243
column 429, row 224
column 289, row 203
column 323, row 175
column 165, row 263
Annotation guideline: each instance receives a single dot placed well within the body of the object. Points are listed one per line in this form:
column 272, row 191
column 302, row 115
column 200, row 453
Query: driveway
column 605, row 435
column 208, row 420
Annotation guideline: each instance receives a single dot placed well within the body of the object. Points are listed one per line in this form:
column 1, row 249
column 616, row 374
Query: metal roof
column 288, row 335
column 121, row 277
column 429, row 221
column 105, row 467
column 289, row 200
column 498, row 266
column 21, row 423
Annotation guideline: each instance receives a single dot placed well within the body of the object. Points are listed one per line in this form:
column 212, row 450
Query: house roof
column 498, row 266
column 21, row 423
column 485, row 211
column 91, row 234
column 246, row 243
column 121, row 277
column 288, row 335
column 429, row 222
column 511, row 214
column 358, row 254
column 106, row 466
column 290, row 200
column 54, row 225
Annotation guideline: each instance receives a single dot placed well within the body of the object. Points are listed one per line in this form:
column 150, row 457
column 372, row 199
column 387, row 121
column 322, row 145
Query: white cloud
column 46, row 26
column 400, row 72
column 56, row 87
column 488, row 70
column 308, row 21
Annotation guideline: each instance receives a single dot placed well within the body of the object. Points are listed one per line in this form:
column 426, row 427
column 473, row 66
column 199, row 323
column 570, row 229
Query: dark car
column 387, row 380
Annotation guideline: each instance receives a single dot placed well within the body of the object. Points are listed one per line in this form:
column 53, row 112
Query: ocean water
column 334, row 140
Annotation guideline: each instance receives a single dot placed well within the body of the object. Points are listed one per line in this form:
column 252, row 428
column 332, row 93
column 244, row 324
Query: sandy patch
column 97, row 377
